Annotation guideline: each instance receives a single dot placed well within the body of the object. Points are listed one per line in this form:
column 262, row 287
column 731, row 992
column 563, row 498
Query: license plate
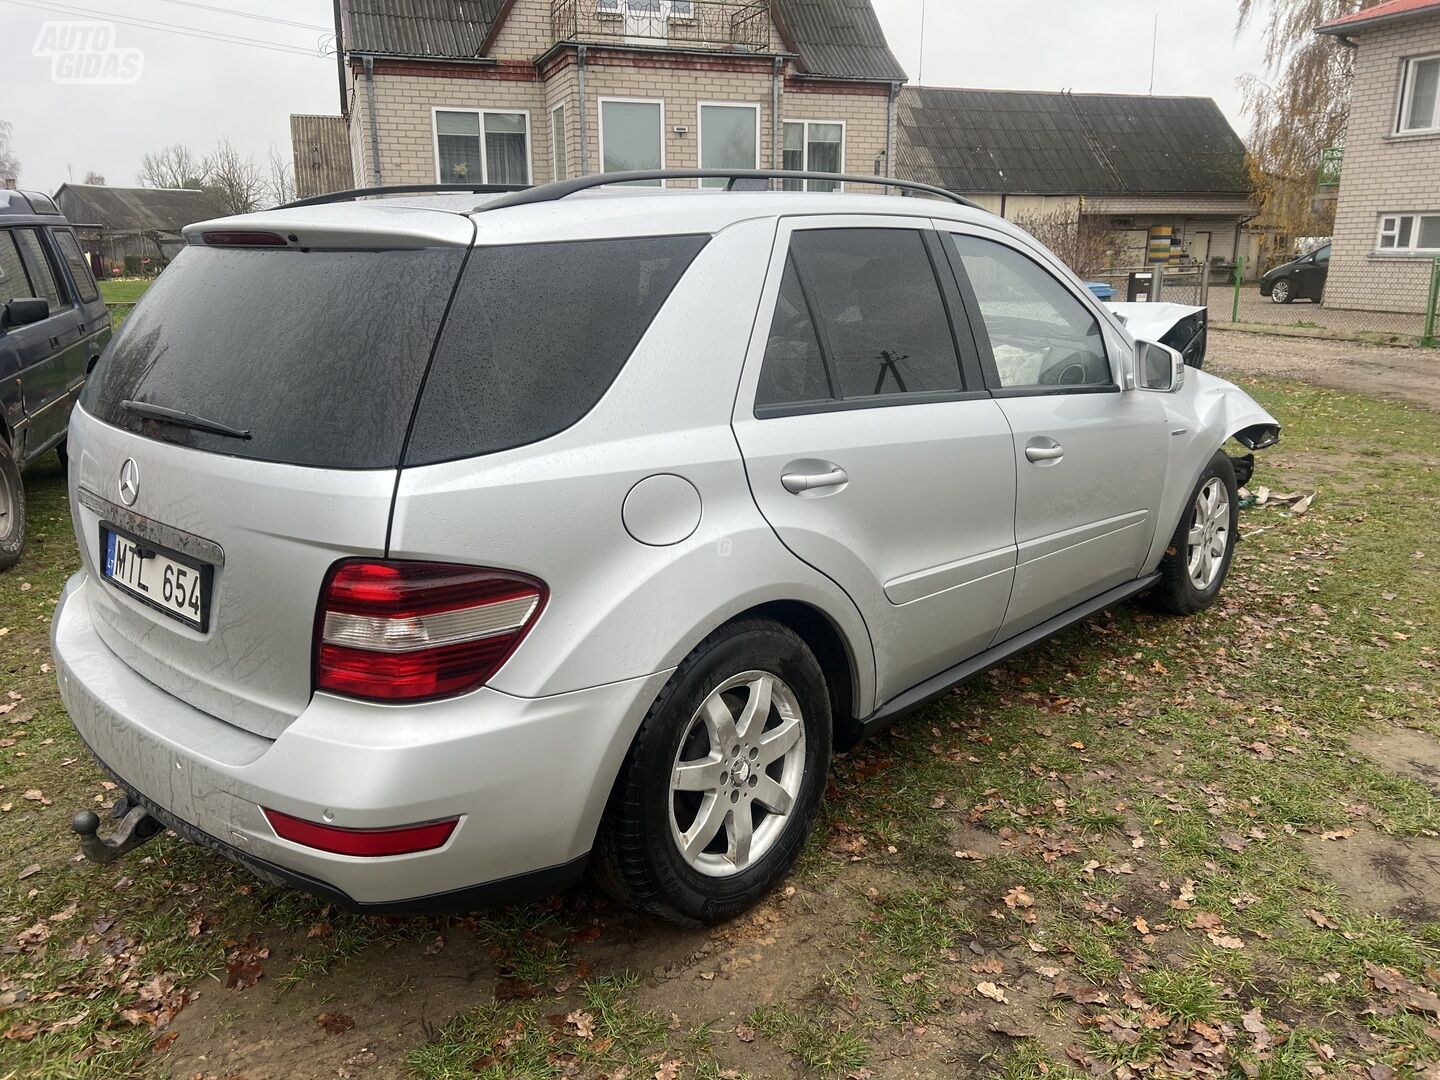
column 170, row 582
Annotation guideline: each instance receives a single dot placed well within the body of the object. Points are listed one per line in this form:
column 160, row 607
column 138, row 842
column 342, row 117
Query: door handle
column 1042, row 450
column 796, row 483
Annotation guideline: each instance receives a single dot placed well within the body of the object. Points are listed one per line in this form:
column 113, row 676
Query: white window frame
column 562, row 151
column 435, row 111
column 600, row 124
column 1389, row 225
column 1407, row 84
column 805, row 143
column 700, row 107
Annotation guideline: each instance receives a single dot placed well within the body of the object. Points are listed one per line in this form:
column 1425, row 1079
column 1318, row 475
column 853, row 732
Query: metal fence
column 1234, row 302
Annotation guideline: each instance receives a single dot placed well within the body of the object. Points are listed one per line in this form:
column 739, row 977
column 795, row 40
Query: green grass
column 124, row 290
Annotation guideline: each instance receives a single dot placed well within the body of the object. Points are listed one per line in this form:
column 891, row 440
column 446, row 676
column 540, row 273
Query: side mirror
column 1159, row 368
column 26, row 311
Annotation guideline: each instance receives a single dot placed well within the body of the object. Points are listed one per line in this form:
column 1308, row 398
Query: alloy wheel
column 1209, row 534
column 737, row 774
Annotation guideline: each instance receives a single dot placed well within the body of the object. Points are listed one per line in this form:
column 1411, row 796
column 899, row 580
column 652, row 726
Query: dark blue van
column 53, row 327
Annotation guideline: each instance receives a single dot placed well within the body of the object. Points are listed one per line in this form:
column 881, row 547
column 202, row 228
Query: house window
column 729, row 138
column 814, row 146
column 632, row 135
column 1409, row 233
column 558, row 158
column 1420, row 96
column 482, row 147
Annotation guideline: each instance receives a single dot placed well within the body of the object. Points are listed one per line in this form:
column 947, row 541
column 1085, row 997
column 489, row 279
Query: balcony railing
column 684, row 24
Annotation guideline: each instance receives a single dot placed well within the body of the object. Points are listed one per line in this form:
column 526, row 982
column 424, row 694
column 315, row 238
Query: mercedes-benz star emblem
column 129, row 482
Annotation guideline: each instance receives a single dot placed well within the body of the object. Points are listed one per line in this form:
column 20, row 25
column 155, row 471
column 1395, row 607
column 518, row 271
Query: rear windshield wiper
column 183, row 419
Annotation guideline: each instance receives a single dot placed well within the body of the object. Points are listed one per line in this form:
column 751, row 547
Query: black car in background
column 1299, row 279
column 53, row 327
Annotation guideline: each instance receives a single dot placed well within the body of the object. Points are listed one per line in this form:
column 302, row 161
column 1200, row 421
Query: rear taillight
column 413, row 631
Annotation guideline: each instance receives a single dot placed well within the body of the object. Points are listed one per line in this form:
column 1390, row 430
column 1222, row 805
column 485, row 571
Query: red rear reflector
column 369, row 843
column 413, row 631
column 238, row 238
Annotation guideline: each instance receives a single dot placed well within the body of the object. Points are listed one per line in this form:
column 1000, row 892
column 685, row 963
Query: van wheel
column 1198, row 559
column 12, row 510
column 720, row 789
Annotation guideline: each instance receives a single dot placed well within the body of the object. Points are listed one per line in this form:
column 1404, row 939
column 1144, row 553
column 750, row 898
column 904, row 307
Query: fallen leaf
column 335, row 1023
column 581, row 1024
column 1321, row 919
column 991, row 991
column 243, row 964
column 1018, row 898
column 745, row 1033
column 29, row 871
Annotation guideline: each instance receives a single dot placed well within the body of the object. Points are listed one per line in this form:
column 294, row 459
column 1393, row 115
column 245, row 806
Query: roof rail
column 739, row 180
column 404, row 189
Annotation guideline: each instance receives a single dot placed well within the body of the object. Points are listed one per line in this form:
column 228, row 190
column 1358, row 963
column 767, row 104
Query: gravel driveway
column 1408, row 375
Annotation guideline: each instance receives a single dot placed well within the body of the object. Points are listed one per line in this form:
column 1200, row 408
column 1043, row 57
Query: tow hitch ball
column 136, row 826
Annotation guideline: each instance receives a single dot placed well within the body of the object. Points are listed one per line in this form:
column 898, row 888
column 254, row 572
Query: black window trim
column 969, row 365
column 981, row 336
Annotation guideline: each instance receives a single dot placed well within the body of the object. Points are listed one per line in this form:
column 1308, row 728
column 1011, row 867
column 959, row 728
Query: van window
column 318, row 354
column 14, row 285
column 69, row 249
column 37, row 265
column 536, row 335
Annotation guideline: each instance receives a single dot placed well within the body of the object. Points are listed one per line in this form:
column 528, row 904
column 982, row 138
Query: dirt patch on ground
column 1378, row 874
column 1411, row 753
column 1408, row 375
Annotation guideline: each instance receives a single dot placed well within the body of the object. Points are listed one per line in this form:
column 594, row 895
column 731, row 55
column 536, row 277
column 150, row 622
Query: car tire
column 1282, row 292
column 641, row 856
column 1192, row 573
column 12, row 509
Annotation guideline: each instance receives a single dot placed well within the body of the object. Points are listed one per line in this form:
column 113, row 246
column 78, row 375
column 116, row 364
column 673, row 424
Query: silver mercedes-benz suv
column 433, row 550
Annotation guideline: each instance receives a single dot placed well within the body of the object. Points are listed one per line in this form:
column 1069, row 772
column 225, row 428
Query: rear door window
column 860, row 318
column 69, row 249
column 38, row 266
column 536, row 335
column 319, row 355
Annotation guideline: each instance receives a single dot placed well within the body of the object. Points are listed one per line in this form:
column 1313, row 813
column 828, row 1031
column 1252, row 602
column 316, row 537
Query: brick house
column 526, row 91
column 1387, row 219
column 1137, row 166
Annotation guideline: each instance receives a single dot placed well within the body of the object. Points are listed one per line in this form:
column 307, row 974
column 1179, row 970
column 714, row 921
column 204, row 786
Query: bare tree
column 282, row 178
column 1082, row 243
column 95, row 178
column 235, row 180
column 174, row 166
column 9, row 161
column 1299, row 110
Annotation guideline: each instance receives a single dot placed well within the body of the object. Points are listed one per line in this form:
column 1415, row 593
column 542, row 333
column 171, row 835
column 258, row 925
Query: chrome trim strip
column 166, row 536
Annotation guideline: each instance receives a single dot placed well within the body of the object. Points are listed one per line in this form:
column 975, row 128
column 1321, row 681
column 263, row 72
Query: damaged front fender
column 1206, row 414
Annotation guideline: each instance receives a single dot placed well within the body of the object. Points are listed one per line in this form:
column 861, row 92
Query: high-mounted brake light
column 245, row 238
column 370, row 843
column 398, row 631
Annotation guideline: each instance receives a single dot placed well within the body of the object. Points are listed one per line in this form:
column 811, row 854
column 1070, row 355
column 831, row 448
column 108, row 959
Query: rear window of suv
column 319, row 355
column 537, row 334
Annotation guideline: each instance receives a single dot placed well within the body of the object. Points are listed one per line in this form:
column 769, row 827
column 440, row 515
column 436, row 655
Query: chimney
column 10, row 182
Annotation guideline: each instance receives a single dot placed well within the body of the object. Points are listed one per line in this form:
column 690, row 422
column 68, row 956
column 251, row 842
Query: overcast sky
column 193, row 89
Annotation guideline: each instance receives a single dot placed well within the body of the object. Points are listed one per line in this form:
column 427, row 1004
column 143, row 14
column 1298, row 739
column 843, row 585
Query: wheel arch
column 837, row 659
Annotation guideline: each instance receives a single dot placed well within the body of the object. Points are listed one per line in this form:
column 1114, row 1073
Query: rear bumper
column 528, row 778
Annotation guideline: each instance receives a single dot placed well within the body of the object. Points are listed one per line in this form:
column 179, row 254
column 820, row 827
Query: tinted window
column 536, row 336
column 1040, row 333
column 13, row 282
column 69, row 249
column 319, row 354
column 37, row 264
column 878, row 308
column 794, row 369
